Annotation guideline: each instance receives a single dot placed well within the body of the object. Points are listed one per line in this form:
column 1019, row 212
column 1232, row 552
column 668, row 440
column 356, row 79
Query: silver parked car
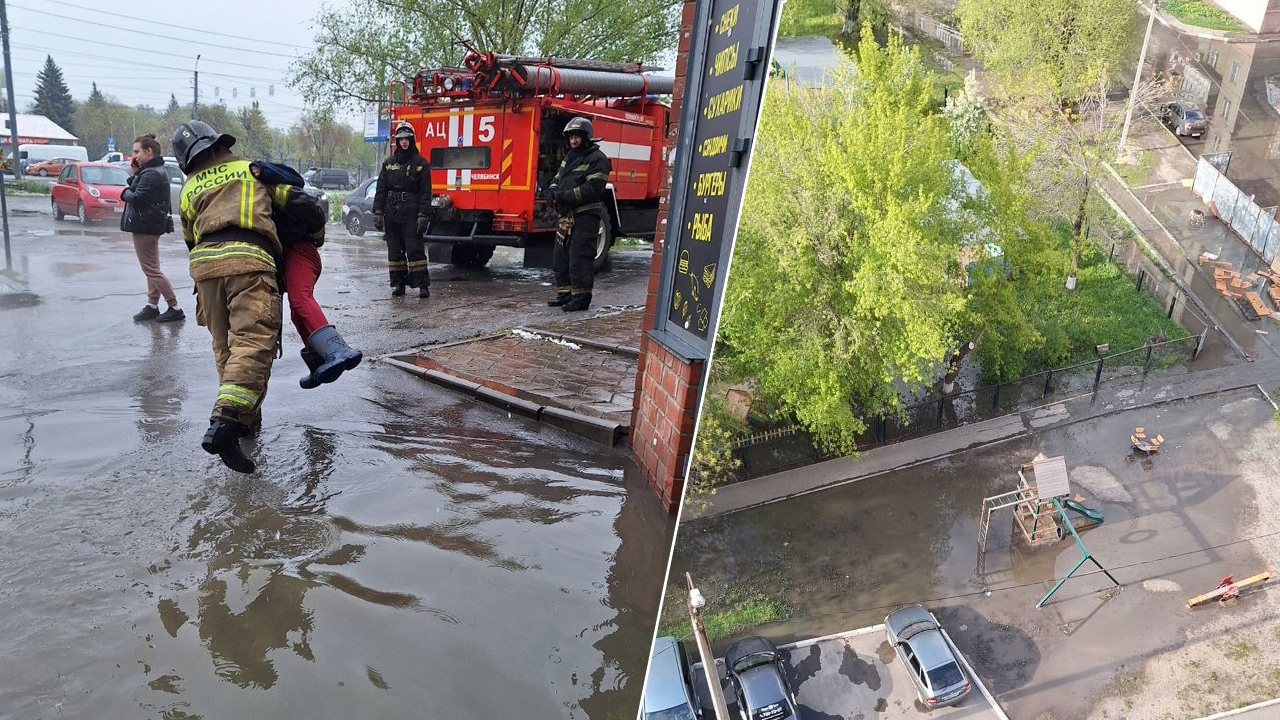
column 916, row 636
column 755, row 668
column 667, row 695
column 1184, row 119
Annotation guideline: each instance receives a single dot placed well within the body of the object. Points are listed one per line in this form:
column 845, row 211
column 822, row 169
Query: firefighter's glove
column 423, row 222
column 377, row 221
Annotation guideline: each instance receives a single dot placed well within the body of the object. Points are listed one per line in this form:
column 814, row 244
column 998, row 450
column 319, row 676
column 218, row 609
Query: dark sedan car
column 1184, row 119
column 357, row 208
column 755, row 669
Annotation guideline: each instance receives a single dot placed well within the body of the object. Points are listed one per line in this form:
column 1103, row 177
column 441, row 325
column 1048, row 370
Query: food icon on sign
column 683, row 265
column 709, row 275
column 684, row 309
column 704, row 319
column 693, row 288
column 678, row 299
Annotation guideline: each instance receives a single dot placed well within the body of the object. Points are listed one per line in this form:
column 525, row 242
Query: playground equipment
column 1141, row 441
column 1033, row 511
column 1040, row 507
column 1228, row 589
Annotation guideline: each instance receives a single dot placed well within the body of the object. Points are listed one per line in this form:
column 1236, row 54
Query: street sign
column 111, row 144
column 728, row 69
column 376, row 123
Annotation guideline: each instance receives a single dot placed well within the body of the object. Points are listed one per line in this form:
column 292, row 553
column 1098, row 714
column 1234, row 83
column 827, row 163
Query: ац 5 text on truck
column 492, row 130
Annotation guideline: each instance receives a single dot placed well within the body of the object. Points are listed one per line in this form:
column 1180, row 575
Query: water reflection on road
column 405, row 552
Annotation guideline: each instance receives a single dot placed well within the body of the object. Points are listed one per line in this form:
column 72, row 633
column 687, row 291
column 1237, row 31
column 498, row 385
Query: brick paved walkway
column 535, row 364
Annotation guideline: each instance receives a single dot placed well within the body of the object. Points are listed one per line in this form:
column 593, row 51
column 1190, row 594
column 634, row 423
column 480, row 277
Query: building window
column 1235, row 73
column 1226, row 111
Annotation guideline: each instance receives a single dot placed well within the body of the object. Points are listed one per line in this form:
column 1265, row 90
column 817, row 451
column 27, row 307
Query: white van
column 28, row 154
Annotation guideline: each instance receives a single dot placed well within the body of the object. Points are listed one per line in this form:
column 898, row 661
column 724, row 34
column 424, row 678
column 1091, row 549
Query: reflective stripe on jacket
column 226, row 220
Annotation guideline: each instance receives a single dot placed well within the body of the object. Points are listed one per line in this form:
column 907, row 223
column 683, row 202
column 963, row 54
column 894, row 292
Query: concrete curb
column 1241, row 711
column 585, row 342
column 595, row 429
column 1025, row 431
column 833, row 636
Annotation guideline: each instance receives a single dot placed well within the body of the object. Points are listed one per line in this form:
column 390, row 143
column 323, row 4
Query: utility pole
column 13, row 134
column 696, row 602
column 195, row 92
column 1142, row 58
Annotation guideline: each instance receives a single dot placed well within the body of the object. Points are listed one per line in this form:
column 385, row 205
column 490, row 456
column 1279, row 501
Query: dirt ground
column 1174, row 526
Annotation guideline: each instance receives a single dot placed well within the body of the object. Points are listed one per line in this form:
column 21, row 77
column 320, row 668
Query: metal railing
column 787, row 448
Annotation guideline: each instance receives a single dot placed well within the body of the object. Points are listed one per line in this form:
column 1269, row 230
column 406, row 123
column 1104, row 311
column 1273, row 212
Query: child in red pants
column 300, row 224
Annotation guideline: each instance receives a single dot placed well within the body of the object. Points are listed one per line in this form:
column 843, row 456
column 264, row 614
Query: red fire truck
column 492, row 131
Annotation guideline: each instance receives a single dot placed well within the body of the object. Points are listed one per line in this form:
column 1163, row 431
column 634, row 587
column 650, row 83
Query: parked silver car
column 667, row 695
column 755, row 669
column 1184, row 119
column 916, row 636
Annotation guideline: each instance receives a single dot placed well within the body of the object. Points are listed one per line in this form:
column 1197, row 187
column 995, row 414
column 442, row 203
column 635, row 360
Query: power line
column 155, row 35
column 144, row 50
column 200, row 31
column 138, row 63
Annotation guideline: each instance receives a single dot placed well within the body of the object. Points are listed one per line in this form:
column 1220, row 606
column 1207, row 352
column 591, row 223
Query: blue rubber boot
column 338, row 356
column 313, row 360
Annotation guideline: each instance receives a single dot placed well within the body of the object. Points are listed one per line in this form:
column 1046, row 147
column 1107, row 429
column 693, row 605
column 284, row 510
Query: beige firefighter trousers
column 243, row 315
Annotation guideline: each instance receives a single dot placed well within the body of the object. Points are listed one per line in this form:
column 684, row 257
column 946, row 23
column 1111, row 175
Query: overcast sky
column 103, row 42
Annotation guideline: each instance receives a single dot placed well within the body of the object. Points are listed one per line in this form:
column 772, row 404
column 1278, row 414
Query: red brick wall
column 667, row 385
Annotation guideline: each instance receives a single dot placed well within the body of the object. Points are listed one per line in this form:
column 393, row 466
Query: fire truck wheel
column 604, row 241
column 355, row 225
column 472, row 256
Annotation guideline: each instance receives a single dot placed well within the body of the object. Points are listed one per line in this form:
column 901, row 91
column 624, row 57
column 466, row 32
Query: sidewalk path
column 1110, row 398
column 579, row 374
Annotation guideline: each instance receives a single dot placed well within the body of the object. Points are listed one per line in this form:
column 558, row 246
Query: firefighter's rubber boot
column 252, row 426
column 560, row 299
column 398, row 291
column 577, row 303
column 337, row 355
column 313, row 360
column 223, row 439
column 424, row 292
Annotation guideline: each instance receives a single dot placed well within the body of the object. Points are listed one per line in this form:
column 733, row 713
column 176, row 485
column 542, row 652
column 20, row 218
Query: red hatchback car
column 90, row 191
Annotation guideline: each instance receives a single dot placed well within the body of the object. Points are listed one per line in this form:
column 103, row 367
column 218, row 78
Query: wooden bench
column 1258, row 306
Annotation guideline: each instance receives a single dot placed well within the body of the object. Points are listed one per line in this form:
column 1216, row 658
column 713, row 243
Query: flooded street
column 403, row 551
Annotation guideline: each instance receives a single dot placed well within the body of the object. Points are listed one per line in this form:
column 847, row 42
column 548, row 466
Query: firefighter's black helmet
column 581, row 126
column 194, row 137
column 404, row 130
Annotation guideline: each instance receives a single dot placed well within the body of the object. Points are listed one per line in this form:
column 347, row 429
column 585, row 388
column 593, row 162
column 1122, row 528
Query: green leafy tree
column 1064, row 46
column 253, row 133
column 840, row 286
column 359, row 48
column 100, row 118
column 52, row 97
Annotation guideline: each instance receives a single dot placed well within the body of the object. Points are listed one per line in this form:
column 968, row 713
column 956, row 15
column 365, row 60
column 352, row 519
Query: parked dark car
column 758, row 680
column 917, row 637
column 667, row 695
column 1184, row 119
column 357, row 208
column 332, row 178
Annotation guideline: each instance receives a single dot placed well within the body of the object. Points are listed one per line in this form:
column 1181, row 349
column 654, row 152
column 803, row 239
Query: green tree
column 361, row 47
column 840, row 287
column 52, row 97
column 253, row 133
column 100, row 118
column 1064, row 46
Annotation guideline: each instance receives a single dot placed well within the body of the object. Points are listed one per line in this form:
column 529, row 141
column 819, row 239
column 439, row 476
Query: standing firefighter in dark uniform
column 576, row 193
column 235, row 250
column 402, row 209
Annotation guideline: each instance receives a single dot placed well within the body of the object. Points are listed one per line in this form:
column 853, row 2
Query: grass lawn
column 738, row 614
column 1137, row 174
column 806, row 18
column 1202, row 14
column 1106, row 308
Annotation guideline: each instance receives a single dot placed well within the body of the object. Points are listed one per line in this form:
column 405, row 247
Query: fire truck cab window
column 460, row 158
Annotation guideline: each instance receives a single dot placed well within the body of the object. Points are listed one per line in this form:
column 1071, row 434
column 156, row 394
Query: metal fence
column 786, row 448
column 1254, row 224
column 1151, row 278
